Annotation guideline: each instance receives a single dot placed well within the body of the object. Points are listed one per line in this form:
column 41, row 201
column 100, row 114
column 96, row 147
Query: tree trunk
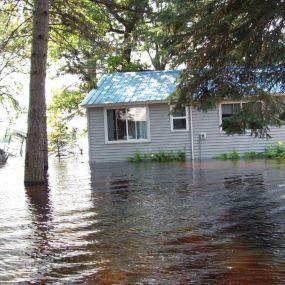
column 127, row 50
column 36, row 144
column 45, row 142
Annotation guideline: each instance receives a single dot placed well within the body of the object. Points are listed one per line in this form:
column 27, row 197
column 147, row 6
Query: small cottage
column 130, row 111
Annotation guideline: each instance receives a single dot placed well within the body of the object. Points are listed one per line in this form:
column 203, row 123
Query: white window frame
column 127, row 140
column 186, row 117
column 228, row 103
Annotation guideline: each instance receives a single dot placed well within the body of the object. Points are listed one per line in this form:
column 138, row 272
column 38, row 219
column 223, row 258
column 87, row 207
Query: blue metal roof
column 131, row 87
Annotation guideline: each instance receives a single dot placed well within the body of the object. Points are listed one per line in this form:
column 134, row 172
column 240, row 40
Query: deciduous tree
column 14, row 43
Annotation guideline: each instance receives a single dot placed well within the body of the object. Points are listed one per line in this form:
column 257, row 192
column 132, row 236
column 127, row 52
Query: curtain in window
column 127, row 124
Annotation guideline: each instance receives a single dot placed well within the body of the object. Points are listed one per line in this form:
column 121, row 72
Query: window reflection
column 127, row 124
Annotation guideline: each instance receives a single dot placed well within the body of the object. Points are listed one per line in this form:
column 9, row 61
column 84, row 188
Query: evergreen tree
column 233, row 50
column 36, row 144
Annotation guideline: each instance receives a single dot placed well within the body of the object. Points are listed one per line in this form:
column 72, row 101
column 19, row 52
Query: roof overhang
column 135, row 103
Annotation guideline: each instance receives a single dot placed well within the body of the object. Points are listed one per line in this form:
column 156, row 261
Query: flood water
column 120, row 223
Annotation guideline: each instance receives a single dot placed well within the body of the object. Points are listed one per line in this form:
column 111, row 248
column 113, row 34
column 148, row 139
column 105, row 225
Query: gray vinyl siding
column 218, row 142
column 161, row 137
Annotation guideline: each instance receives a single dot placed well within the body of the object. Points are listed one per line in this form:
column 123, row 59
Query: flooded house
column 130, row 112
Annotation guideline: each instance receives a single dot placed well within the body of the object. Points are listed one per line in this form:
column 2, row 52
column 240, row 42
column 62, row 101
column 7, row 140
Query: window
column 228, row 109
column 126, row 124
column 179, row 119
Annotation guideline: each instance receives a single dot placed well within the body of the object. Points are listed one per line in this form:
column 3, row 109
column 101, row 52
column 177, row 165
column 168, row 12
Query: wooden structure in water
column 3, row 156
column 14, row 142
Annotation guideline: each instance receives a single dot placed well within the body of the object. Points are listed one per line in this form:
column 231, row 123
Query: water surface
column 120, row 223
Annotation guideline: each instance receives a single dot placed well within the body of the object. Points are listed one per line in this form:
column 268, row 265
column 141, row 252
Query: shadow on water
column 121, row 223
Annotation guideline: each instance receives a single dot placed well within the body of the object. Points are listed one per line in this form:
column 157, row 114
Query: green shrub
column 251, row 155
column 137, row 157
column 161, row 156
column 181, row 155
column 147, row 156
column 222, row 156
column 233, row 155
column 276, row 150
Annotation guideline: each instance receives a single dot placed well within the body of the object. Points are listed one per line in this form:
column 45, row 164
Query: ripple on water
column 120, row 223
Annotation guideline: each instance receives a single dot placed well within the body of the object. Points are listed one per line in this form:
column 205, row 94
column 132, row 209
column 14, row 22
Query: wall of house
column 217, row 142
column 161, row 136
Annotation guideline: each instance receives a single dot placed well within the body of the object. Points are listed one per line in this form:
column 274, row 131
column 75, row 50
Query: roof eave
column 87, row 106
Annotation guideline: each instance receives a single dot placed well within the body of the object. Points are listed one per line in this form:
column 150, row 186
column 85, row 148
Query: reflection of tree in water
column 140, row 223
column 115, row 237
column 253, row 236
column 249, row 210
column 238, row 243
column 136, row 203
column 40, row 208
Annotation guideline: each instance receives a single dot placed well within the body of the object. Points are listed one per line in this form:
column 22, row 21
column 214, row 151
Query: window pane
column 179, row 124
column 111, row 115
column 121, row 124
column 255, row 107
column 131, row 129
column 178, row 112
column 236, row 107
column 137, row 124
column 116, row 120
column 227, row 109
column 141, row 130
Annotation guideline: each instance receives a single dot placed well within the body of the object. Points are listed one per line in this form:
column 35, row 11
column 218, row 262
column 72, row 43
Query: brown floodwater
column 121, row 223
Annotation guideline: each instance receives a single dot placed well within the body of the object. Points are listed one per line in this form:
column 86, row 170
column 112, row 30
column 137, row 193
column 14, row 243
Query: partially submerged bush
column 233, row 155
column 161, row 156
column 137, row 157
column 274, row 151
column 252, row 155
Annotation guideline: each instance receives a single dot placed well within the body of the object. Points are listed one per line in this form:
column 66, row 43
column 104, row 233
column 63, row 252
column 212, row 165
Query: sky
column 53, row 82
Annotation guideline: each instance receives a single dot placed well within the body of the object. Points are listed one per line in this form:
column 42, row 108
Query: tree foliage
column 96, row 36
column 233, row 50
column 59, row 137
column 64, row 107
column 66, row 104
column 15, row 26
